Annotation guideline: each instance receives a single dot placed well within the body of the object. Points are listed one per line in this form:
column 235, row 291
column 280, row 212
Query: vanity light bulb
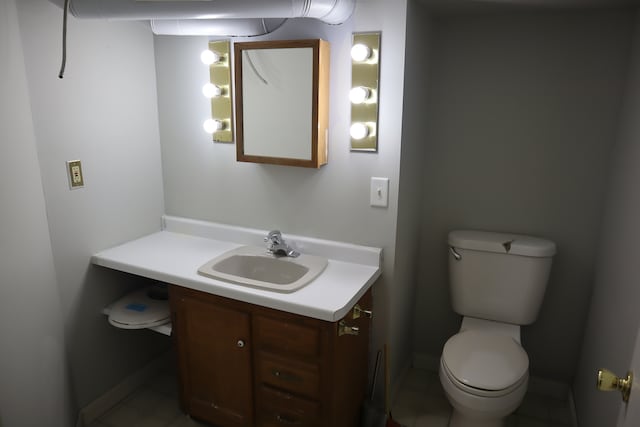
column 360, row 52
column 359, row 131
column 211, row 125
column 211, row 91
column 359, row 94
column 209, row 57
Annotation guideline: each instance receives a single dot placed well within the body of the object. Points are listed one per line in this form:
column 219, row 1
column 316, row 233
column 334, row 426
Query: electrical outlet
column 74, row 172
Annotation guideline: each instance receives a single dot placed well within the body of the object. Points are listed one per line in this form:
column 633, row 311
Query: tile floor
column 420, row 403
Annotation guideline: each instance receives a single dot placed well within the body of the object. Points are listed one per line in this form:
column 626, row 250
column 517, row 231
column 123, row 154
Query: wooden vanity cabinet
column 214, row 358
column 246, row 365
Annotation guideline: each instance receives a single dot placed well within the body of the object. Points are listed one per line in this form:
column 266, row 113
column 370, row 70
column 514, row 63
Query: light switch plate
column 379, row 194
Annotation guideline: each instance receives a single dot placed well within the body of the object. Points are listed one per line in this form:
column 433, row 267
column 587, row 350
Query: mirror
column 282, row 102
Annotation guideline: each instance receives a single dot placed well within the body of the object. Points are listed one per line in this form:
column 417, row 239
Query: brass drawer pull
column 286, row 376
column 288, row 421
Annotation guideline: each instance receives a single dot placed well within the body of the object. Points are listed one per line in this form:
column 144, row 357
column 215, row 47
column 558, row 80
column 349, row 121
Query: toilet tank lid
column 505, row 243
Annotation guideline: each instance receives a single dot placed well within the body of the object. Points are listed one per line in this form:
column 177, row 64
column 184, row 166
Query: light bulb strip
column 221, row 105
column 365, row 72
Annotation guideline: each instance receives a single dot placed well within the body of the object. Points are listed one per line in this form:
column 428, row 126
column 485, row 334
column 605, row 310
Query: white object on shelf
column 142, row 309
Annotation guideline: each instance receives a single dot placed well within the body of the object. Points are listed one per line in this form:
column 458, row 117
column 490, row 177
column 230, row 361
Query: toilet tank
column 498, row 276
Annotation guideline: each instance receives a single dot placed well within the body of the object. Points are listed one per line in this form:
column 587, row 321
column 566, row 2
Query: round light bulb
column 209, row 57
column 210, row 90
column 211, row 125
column 360, row 52
column 359, row 131
column 359, row 94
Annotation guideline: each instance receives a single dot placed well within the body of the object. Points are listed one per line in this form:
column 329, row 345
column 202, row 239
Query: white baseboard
column 112, row 397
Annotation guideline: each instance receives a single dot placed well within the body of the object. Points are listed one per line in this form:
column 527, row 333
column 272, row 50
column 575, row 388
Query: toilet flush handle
column 455, row 254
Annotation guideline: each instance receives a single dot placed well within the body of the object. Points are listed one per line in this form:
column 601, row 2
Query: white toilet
column 497, row 283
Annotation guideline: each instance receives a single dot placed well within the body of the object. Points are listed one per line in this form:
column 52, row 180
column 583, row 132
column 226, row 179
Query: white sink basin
column 254, row 266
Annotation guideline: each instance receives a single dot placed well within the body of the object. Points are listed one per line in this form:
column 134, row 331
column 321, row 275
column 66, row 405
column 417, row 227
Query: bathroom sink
column 256, row 267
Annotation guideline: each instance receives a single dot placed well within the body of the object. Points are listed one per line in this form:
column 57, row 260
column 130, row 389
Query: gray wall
column 610, row 334
column 523, row 113
column 203, row 180
column 33, row 369
column 413, row 152
column 104, row 113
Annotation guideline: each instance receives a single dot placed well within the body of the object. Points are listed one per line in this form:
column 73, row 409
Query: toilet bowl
column 484, row 374
column 497, row 283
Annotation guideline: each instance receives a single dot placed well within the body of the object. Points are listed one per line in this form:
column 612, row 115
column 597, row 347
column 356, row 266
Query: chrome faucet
column 277, row 246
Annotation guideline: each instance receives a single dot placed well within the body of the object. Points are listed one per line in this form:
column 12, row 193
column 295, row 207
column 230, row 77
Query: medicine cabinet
column 282, row 102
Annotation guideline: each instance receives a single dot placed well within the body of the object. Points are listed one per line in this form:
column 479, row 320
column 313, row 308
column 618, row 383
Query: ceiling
column 480, row 5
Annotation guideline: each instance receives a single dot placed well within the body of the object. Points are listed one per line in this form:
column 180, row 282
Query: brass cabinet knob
column 608, row 381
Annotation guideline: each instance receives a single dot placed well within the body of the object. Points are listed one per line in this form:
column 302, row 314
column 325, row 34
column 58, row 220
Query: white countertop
column 174, row 255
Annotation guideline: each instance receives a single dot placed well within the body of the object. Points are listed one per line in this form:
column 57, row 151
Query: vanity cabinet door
column 214, row 356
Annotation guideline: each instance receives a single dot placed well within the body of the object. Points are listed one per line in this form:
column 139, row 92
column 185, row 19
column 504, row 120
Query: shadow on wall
column 91, row 338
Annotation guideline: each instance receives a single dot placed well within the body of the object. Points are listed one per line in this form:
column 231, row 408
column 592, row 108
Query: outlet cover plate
column 74, row 173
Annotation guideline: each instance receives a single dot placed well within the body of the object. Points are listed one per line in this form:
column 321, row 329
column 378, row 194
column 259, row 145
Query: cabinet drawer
column 280, row 336
column 277, row 408
column 286, row 374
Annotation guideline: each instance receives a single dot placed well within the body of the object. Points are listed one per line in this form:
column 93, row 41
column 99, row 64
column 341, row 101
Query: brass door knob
column 608, row 381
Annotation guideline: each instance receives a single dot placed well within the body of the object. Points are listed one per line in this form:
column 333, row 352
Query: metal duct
column 329, row 11
column 216, row 27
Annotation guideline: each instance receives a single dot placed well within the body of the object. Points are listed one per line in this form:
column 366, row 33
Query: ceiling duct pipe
column 216, row 27
column 328, row 11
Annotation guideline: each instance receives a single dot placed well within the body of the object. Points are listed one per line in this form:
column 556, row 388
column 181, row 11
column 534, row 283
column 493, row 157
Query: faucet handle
column 274, row 236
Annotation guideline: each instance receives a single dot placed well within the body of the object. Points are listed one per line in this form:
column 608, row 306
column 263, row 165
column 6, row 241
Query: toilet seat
column 485, row 364
column 479, row 393
column 138, row 310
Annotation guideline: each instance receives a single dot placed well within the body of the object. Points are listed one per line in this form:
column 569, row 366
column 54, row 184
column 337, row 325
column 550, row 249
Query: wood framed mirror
column 282, row 102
